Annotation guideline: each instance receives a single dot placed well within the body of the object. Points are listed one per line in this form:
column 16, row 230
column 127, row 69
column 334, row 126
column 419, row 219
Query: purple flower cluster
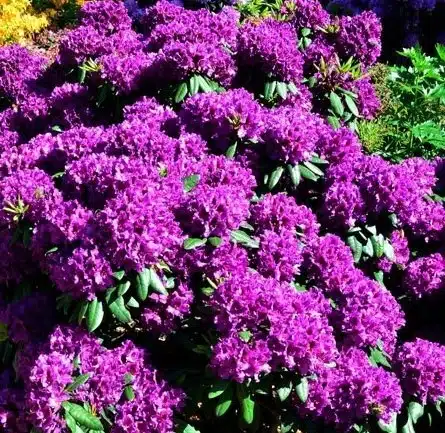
column 68, row 353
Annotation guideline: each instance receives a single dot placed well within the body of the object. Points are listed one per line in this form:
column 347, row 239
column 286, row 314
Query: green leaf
column 248, row 409
column 82, row 311
column 390, row 427
column 231, row 150
column 334, row 122
column 308, row 174
column 336, row 104
column 408, row 427
column 378, row 244
column 119, row 275
column 190, row 182
column 215, row 241
column 284, row 390
column 245, row 336
column 217, row 389
column 181, row 93
column 319, row 161
column 275, row 178
column 356, row 247
column 81, row 416
column 51, row 250
column 142, row 284
column 352, row 106
column 415, row 411
column 378, row 357
column 187, row 428
column 292, row 88
column 203, row 84
column 133, row 303
column 193, row 85
column 429, row 132
column 243, row 238
column 294, row 173
column 313, row 168
column 129, row 393
column 224, row 402
column 302, row 390
column 95, row 314
column 156, row 283
column 193, row 243
column 269, row 89
column 305, row 31
column 439, row 407
column 282, row 90
column 70, row 423
column 368, row 249
column 388, row 250
column 123, row 288
column 78, row 381
column 119, row 310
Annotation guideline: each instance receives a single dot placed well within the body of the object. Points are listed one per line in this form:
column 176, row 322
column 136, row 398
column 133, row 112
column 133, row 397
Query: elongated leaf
column 83, row 417
column 133, row 303
column 415, row 411
column 294, row 173
column 181, row 93
column 352, row 106
column 282, row 90
column 129, row 393
column 269, row 89
column 284, row 390
column 119, row 275
column 203, row 84
column 243, row 238
column 225, row 400
column 82, row 311
column 193, row 243
column 408, row 427
column 431, row 133
column 95, row 315
column 388, row 250
column 302, row 390
column 275, row 177
column 231, row 150
column 142, row 284
column 356, row 247
column 336, row 104
column 70, row 423
column 319, row 161
column 156, row 283
column 217, row 389
column 123, row 288
column 313, row 168
column 248, row 409
column 292, row 88
column 193, row 85
column 78, row 381
column 119, row 310
column 307, row 174
column 215, row 241
column 368, row 249
column 334, row 122
column 378, row 243
column 390, row 427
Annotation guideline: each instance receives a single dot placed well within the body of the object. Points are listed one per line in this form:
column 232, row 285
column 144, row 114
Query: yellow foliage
column 19, row 20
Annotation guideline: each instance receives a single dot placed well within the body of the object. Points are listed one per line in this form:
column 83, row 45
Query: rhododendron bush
column 192, row 239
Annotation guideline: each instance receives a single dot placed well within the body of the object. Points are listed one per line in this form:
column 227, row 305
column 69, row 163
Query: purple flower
column 353, row 390
column 271, row 46
column 425, row 275
column 419, row 365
